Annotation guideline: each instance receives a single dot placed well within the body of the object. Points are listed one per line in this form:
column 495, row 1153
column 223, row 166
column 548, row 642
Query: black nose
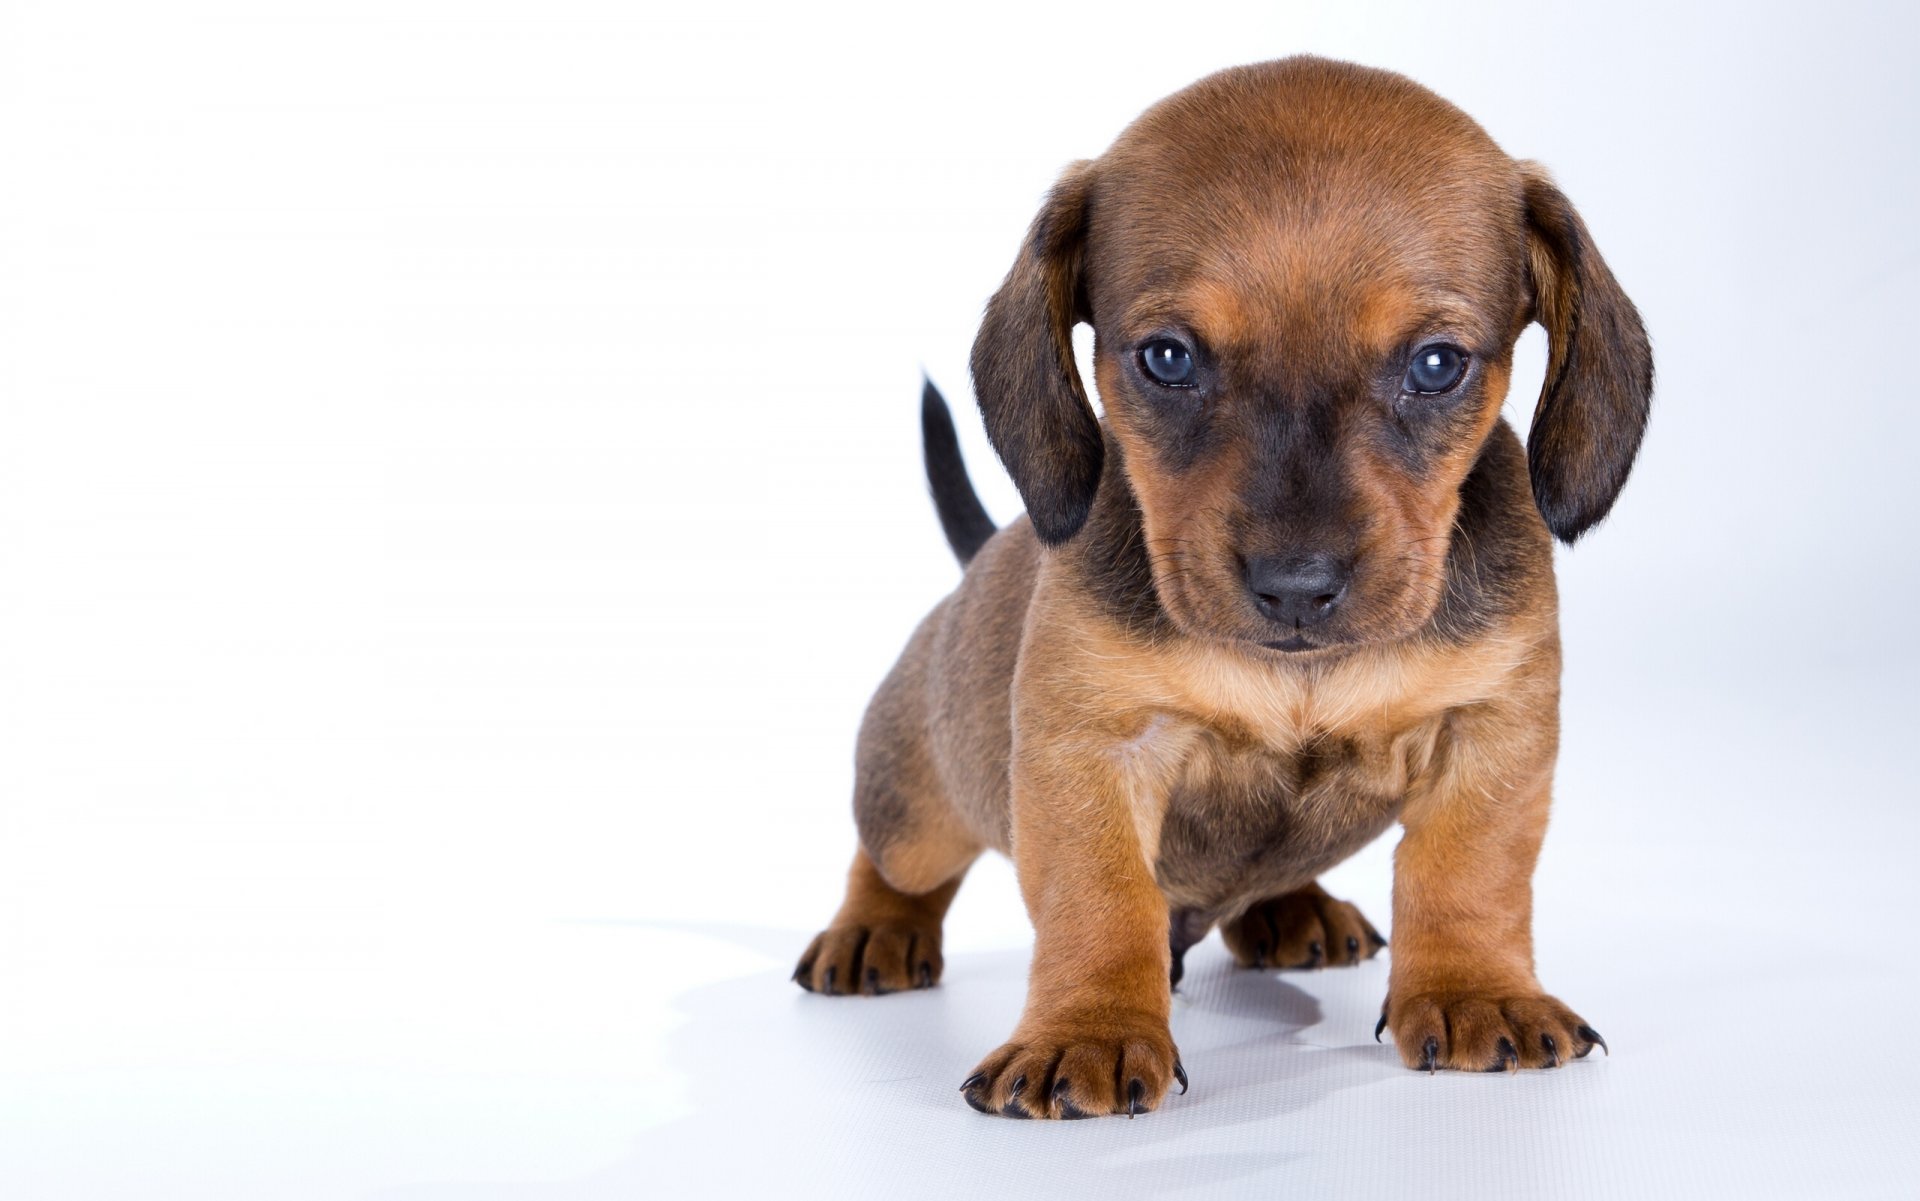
column 1297, row 590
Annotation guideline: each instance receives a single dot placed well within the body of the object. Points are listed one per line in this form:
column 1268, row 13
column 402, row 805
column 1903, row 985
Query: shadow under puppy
column 1297, row 585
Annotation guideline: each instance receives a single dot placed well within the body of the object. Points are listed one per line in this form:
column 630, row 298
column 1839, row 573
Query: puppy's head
column 1305, row 281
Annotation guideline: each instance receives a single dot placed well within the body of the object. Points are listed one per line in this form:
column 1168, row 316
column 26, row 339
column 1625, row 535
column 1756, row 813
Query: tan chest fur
column 1248, row 778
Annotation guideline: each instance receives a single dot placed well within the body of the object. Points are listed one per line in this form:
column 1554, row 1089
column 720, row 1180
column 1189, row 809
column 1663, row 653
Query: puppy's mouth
column 1295, row 643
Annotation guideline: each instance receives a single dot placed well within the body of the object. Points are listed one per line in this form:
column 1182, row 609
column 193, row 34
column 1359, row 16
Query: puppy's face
column 1301, row 357
column 1305, row 281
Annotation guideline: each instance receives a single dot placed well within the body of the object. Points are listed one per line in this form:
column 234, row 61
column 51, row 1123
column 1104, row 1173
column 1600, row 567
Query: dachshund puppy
column 1296, row 585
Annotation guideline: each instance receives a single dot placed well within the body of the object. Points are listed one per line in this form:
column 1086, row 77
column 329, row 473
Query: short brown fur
column 1101, row 700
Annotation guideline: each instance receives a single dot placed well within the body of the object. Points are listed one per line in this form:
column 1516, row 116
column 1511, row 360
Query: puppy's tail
column 962, row 515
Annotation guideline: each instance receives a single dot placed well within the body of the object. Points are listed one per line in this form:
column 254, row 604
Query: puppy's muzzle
column 1298, row 591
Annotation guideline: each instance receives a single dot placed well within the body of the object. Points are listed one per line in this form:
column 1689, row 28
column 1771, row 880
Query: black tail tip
column 962, row 516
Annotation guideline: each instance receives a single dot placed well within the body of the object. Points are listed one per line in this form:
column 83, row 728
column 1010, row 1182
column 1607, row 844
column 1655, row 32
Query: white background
column 459, row 483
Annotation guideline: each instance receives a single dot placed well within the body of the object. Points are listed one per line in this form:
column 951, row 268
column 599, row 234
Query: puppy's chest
column 1245, row 821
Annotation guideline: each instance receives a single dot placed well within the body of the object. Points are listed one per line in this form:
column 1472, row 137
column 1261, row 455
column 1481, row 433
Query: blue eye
column 1435, row 369
column 1167, row 362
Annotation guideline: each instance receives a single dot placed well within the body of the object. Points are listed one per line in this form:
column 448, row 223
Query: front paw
column 1485, row 1032
column 1078, row 1067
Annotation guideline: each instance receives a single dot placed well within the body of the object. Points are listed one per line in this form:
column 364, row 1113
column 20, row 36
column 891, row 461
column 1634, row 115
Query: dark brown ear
column 1593, row 409
column 1036, row 411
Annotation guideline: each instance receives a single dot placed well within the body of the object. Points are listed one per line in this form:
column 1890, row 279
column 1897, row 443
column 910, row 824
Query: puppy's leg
column 913, row 853
column 1094, row 1038
column 1305, row 928
column 883, row 940
column 1462, row 992
column 1185, row 928
column 914, row 849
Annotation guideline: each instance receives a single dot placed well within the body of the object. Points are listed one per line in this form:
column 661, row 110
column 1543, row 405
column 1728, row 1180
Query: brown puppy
column 1298, row 584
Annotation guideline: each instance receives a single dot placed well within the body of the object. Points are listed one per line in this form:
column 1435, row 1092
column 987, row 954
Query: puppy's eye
column 1435, row 369
column 1168, row 362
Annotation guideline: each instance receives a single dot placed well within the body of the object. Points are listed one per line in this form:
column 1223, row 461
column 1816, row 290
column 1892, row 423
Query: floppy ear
column 1593, row 409
column 1036, row 411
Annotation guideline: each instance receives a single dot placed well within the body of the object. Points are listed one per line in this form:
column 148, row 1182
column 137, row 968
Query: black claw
column 1260, row 955
column 873, row 982
column 1593, row 1037
column 1013, row 1108
column 1062, row 1102
column 1315, row 953
column 973, row 1098
column 1373, row 936
column 1353, row 946
column 926, row 975
column 1136, row 1094
column 1431, row 1059
column 803, row 976
column 1508, row 1058
column 1178, row 970
column 1380, row 1025
column 1180, row 1074
column 831, row 973
column 1551, row 1048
